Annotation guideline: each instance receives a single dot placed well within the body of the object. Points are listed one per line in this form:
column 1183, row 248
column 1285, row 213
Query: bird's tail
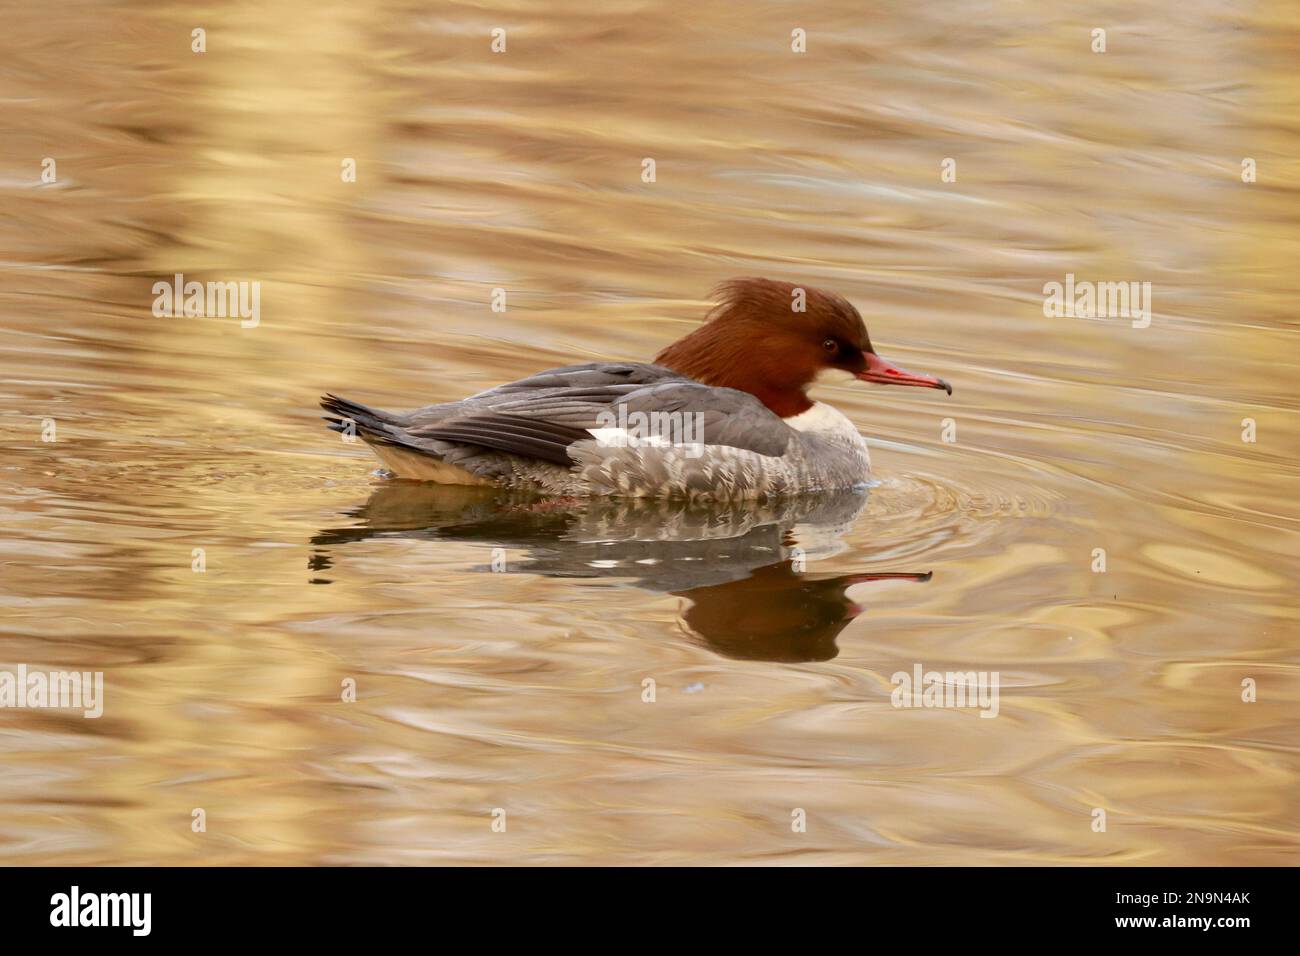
column 373, row 424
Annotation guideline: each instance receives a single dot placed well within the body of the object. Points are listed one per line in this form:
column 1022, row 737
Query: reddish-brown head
column 774, row 339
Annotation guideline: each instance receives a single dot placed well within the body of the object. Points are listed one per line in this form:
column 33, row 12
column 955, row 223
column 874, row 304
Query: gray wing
column 541, row 416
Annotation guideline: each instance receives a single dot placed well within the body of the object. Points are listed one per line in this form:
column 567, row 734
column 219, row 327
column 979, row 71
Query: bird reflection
column 739, row 565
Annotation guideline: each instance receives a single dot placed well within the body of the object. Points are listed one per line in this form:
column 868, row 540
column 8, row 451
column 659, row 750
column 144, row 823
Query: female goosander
column 723, row 413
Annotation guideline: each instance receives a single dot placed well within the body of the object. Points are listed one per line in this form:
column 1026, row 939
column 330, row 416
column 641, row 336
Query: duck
column 723, row 413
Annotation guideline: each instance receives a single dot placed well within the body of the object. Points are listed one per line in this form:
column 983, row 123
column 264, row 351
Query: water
column 522, row 688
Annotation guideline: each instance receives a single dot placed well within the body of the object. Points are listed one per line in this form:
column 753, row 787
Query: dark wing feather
column 509, row 433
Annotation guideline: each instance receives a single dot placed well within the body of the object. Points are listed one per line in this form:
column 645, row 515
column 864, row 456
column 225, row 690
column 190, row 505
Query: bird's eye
column 830, row 345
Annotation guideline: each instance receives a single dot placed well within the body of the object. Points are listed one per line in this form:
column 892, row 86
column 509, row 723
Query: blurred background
column 523, row 690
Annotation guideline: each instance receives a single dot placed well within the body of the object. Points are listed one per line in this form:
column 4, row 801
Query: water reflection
column 740, row 566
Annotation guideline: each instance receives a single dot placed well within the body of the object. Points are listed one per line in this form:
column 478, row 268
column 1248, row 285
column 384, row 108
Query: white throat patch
column 834, row 376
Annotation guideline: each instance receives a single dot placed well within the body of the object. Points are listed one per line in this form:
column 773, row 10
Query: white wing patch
column 614, row 437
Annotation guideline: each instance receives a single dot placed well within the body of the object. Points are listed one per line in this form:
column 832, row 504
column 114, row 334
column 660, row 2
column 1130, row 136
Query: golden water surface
column 184, row 443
